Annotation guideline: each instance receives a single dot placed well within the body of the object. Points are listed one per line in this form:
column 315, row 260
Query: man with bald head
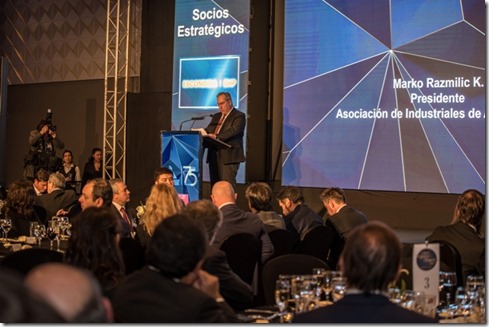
column 236, row 220
column 73, row 292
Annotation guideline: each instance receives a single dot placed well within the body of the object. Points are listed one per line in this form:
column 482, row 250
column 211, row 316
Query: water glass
column 338, row 288
column 413, row 300
column 327, row 282
column 282, row 294
column 447, row 287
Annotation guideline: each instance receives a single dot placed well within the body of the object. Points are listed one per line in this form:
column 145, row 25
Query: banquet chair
column 132, row 253
column 283, row 242
column 288, row 264
column 317, row 242
column 450, row 261
column 24, row 260
column 243, row 252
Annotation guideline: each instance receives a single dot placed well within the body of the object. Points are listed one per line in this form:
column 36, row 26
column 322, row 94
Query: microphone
column 201, row 117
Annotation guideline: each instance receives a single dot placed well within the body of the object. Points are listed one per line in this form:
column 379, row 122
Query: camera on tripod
column 49, row 119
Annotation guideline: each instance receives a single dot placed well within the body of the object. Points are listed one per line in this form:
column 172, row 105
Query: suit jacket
column 341, row 224
column 231, row 132
column 57, row 199
column 146, row 296
column 125, row 228
column 470, row 245
column 237, row 293
column 237, row 221
column 301, row 220
column 361, row 308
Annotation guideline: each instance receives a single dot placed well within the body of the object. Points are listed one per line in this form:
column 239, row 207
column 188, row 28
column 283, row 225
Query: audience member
column 164, row 175
column 162, row 202
column 58, row 200
column 41, row 182
column 72, row 291
column 94, row 245
column 370, row 261
column 260, row 197
column 235, row 291
column 299, row 218
column 43, row 142
column 96, row 193
column 236, row 220
column 70, row 171
column 465, row 232
column 120, row 198
column 342, row 219
column 19, row 305
column 93, row 168
column 20, row 207
column 172, row 288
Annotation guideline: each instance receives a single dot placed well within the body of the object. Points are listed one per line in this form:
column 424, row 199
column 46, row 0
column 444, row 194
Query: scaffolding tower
column 122, row 54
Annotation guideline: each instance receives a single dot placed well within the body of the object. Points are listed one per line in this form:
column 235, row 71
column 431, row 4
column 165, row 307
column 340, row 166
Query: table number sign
column 426, row 268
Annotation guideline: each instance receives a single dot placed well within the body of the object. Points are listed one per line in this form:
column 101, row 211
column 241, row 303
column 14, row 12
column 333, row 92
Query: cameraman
column 42, row 154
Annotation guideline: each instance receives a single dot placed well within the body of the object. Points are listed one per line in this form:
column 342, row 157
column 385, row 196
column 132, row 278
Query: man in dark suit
column 370, row 261
column 121, row 196
column 172, row 288
column 227, row 126
column 234, row 290
column 57, row 201
column 236, row 220
column 342, row 219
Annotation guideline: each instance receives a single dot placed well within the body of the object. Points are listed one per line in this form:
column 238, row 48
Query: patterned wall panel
column 55, row 40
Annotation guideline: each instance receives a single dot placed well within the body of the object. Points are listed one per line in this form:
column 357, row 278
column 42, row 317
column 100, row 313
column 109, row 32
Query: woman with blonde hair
column 162, row 202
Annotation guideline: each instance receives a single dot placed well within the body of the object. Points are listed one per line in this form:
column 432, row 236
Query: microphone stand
column 185, row 122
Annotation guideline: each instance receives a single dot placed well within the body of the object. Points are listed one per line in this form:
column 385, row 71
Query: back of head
column 103, row 190
column 177, row 246
column 93, row 244
column 20, row 305
column 205, row 212
column 57, row 180
column 223, row 192
column 259, row 196
column 334, row 193
column 470, row 208
column 371, row 257
column 20, row 197
column 292, row 193
column 73, row 292
column 162, row 202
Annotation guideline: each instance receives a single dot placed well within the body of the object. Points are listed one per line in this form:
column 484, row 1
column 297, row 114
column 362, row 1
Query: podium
column 182, row 152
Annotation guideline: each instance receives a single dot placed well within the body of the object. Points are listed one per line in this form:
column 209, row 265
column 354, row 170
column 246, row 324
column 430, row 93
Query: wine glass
column 282, row 295
column 462, row 300
column 447, row 286
column 338, row 285
column 51, row 234
column 318, row 274
column 39, row 232
column 327, row 279
column 6, row 226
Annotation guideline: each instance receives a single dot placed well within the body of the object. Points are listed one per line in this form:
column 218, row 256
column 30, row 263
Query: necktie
column 125, row 217
column 219, row 124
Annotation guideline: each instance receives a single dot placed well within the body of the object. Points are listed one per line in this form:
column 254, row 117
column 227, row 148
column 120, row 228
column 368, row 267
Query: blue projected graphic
column 385, row 95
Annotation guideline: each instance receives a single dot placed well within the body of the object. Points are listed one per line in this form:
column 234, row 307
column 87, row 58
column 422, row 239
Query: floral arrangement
column 140, row 210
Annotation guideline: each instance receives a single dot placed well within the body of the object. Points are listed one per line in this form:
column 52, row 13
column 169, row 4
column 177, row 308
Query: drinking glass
column 338, row 288
column 462, row 300
column 282, row 295
column 394, row 295
column 475, row 282
column 51, row 234
column 327, row 282
column 302, row 289
column 447, row 286
column 6, row 226
column 413, row 300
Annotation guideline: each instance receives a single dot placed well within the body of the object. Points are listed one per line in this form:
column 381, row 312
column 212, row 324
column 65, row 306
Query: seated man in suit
column 57, row 201
column 370, row 261
column 234, row 290
column 121, row 196
column 342, row 219
column 299, row 218
column 236, row 220
column 41, row 181
column 172, row 288
column 97, row 192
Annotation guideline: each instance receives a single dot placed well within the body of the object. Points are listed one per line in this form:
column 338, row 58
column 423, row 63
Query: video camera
column 49, row 118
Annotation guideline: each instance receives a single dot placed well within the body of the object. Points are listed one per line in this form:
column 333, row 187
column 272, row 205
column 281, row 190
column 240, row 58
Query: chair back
column 243, row 252
column 288, row 264
column 283, row 242
column 24, row 261
column 317, row 242
column 133, row 254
